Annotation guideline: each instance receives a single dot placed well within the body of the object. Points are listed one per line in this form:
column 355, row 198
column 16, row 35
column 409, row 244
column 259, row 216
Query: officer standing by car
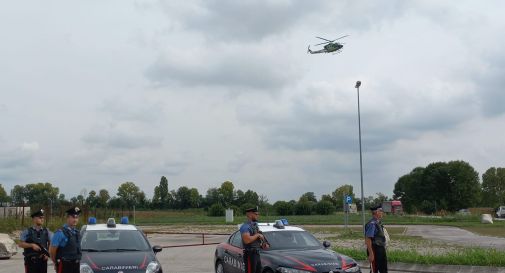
column 35, row 242
column 66, row 245
column 253, row 241
column 375, row 238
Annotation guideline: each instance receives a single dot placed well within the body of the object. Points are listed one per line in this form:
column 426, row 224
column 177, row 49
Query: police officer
column 66, row 244
column 253, row 241
column 376, row 241
column 35, row 242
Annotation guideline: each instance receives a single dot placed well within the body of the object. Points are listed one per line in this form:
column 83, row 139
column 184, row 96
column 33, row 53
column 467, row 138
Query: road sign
column 348, row 199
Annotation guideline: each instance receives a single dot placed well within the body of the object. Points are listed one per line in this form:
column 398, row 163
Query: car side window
column 236, row 240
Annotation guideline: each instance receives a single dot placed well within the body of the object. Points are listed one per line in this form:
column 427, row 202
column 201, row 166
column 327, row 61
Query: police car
column 292, row 250
column 117, row 248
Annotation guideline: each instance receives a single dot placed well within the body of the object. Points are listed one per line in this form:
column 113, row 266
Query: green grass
column 495, row 230
column 466, row 256
column 199, row 217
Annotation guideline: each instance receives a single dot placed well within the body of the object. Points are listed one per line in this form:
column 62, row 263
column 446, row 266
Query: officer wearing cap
column 375, row 239
column 253, row 241
column 35, row 242
column 66, row 244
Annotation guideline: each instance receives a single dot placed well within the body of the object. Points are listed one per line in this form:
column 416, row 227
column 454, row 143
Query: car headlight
column 84, row 268
column 153, row 267
column 353, row 269
column 291, row 270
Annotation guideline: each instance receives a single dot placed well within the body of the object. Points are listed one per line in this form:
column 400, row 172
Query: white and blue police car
column 117, row 248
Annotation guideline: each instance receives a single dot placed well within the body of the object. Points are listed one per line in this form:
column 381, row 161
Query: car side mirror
column 157, row 249
column 326, row 244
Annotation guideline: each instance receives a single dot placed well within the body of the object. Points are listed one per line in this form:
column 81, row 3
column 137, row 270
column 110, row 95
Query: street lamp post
column 358, row 84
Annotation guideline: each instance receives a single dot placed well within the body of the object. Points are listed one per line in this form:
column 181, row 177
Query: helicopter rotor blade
column 341, row 37
column 324, row 39
column 322, row 43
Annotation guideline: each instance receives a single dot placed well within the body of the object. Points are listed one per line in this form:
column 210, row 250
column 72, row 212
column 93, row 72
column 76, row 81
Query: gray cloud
column 232, row 69
column 490, row 87
column 247, row 21
column 124, row 139
column 19, row 162
column 329, row 122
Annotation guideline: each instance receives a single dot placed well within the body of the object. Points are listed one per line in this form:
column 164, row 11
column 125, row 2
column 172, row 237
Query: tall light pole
column 358, row 84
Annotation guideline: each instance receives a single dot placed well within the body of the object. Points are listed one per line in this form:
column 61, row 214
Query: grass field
column 465, row 256
column 199, row 217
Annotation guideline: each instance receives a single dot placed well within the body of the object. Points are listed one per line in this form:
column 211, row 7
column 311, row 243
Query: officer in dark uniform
column 35, row 242
column 376, row 241
column 253, row 241
column 66, row 244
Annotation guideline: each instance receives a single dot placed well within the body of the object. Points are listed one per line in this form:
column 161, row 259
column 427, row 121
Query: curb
column 420, row 268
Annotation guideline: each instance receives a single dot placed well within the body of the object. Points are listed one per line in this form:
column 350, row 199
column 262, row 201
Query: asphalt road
column 455, row 235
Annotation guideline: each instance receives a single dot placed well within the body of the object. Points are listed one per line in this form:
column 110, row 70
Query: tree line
column 450, row 186
column 447, row 186
column 215, row 201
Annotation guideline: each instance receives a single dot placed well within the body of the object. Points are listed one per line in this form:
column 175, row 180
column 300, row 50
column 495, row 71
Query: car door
column 234, row 254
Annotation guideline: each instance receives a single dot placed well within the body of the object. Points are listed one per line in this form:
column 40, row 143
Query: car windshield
column 113, row 241
column 291, row 240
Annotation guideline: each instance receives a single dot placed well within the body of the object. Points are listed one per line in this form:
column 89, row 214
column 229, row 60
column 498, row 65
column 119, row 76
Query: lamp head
column 358, row 84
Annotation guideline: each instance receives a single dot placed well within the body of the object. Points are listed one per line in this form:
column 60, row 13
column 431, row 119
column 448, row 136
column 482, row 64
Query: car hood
column 315, row 260
column 128, row 261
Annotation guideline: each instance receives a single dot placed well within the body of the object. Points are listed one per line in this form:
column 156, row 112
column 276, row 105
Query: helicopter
column 329, row 46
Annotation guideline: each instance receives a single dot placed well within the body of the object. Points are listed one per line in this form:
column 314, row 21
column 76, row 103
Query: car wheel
column 219, row 267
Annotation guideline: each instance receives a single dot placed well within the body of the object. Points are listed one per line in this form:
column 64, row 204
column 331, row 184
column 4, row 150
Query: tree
column 327, row 197
column 195, row 199
column 464, row 184
column 39, row 194
column 405, row 189
column 380, row 198
column 441, row 185
column 3, row 194
column 18, row 194
column 183, row 198
column 493, row 187
column 338, row 195
column 212, row 197
column 162, row 198
column 227, row 193
column 239, row 198
column 284, row 208
column 129, row 193
column 308, row 197
column 92, row 199
column 103, row 198
column 251, row 197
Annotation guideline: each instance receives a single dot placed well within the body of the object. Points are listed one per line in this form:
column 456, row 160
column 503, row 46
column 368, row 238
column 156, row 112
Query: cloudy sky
column 95, row 93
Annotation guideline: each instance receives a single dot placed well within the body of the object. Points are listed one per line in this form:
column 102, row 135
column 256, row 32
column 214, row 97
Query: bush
column 304, row 208
column 324, row 208
column 284, row 208
column 216, row 210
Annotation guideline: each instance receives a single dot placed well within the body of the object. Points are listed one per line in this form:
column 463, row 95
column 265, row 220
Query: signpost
column 347, row 203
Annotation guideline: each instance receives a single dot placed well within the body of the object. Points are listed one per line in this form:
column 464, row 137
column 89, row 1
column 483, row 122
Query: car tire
column 268, row 271
column 219, row 267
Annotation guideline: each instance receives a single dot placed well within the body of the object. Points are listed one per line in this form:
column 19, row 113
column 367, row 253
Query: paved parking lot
column 194, row 259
